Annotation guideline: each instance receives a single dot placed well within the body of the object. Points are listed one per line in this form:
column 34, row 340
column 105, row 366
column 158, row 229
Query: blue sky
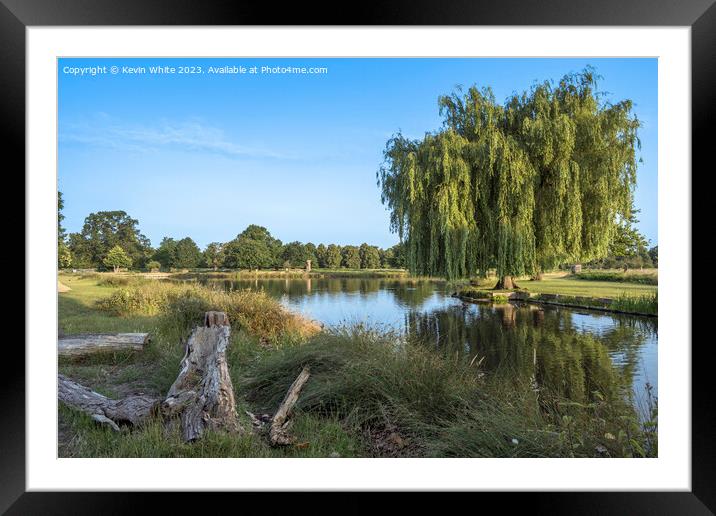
column 205, row 155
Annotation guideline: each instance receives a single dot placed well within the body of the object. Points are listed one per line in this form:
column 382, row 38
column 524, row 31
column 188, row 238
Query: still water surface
column 535, row 341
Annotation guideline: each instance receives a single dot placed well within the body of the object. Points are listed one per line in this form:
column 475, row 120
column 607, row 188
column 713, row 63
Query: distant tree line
column 110, row 240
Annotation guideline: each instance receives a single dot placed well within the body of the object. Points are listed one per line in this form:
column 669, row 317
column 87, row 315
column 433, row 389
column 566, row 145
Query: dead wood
column 203, row 395
column 130, row 411
column 281, row 422
column 77, row 345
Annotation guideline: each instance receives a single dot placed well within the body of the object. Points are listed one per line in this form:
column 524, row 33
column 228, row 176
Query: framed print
column 415, row 250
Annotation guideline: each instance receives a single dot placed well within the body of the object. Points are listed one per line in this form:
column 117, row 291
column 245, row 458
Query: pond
column 575, row 351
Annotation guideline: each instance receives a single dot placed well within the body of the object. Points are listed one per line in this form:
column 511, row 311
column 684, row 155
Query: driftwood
column 202, row 395
column 131, row 411
column 75, row 345
column 281, row 422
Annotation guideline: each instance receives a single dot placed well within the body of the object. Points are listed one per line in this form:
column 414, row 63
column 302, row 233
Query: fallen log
column 281, row 421
column 76, row 345
column 131, row 411
column 203, row 395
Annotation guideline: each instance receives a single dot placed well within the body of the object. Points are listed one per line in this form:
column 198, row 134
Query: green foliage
column 311, row 253
column 654, row 255
column 334, row 256
column 350, row 257
column 295, row 254
column 187, row 254
column 105, row 230
column 60, row 217
column 165, row 253
column 254, row 248
column 178, row 254
column 117, row 258
column 64, row 256
column 322, row 256
column 369, row 256
column 519, row 187
column 153, row 265
column 213, row 256
column 628, row 247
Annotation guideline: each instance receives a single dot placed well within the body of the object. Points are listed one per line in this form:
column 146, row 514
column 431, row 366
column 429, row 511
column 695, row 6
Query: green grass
column 78, row 312
column 563, row 284
column 315, row 438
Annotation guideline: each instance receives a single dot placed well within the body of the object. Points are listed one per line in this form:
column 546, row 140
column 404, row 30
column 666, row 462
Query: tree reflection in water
column 571, row 353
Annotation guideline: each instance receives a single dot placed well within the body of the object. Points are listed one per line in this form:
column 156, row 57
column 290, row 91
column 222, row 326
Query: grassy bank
column 602, row 290
column 567, row 284
column 371, row 393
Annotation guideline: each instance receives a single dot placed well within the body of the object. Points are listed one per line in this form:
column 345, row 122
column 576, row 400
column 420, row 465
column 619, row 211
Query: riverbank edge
column 552, row 299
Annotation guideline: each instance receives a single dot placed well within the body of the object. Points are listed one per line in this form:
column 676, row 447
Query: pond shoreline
column 548, row 299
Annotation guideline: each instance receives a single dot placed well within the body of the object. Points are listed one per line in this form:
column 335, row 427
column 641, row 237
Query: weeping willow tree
column 518, row 187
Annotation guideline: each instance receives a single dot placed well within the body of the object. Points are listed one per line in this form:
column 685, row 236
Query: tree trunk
column 506, row 283
column 203, row 395
column 281, row 422
column 76, row 345
column 508, row 313
column 537, row 277
column 132, row 410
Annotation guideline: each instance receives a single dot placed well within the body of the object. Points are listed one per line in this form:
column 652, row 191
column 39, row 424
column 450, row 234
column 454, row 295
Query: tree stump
column 202, row 395
column 131, row 411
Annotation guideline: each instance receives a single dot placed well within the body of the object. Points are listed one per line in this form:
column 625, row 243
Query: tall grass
column 377, row 383
column 185, row 305
column 648, row 304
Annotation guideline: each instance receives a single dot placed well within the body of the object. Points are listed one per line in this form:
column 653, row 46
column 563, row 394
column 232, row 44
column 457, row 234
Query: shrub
column 117, row 281
column 625, row 277
column 153, row 266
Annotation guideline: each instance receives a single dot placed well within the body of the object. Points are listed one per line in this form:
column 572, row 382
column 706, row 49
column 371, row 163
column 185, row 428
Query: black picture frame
column 700, row 15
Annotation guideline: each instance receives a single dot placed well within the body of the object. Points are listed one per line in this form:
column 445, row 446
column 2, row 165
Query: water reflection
column 572, row 352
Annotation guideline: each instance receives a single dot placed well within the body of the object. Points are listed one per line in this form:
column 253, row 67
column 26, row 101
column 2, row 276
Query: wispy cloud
column 187, row 135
